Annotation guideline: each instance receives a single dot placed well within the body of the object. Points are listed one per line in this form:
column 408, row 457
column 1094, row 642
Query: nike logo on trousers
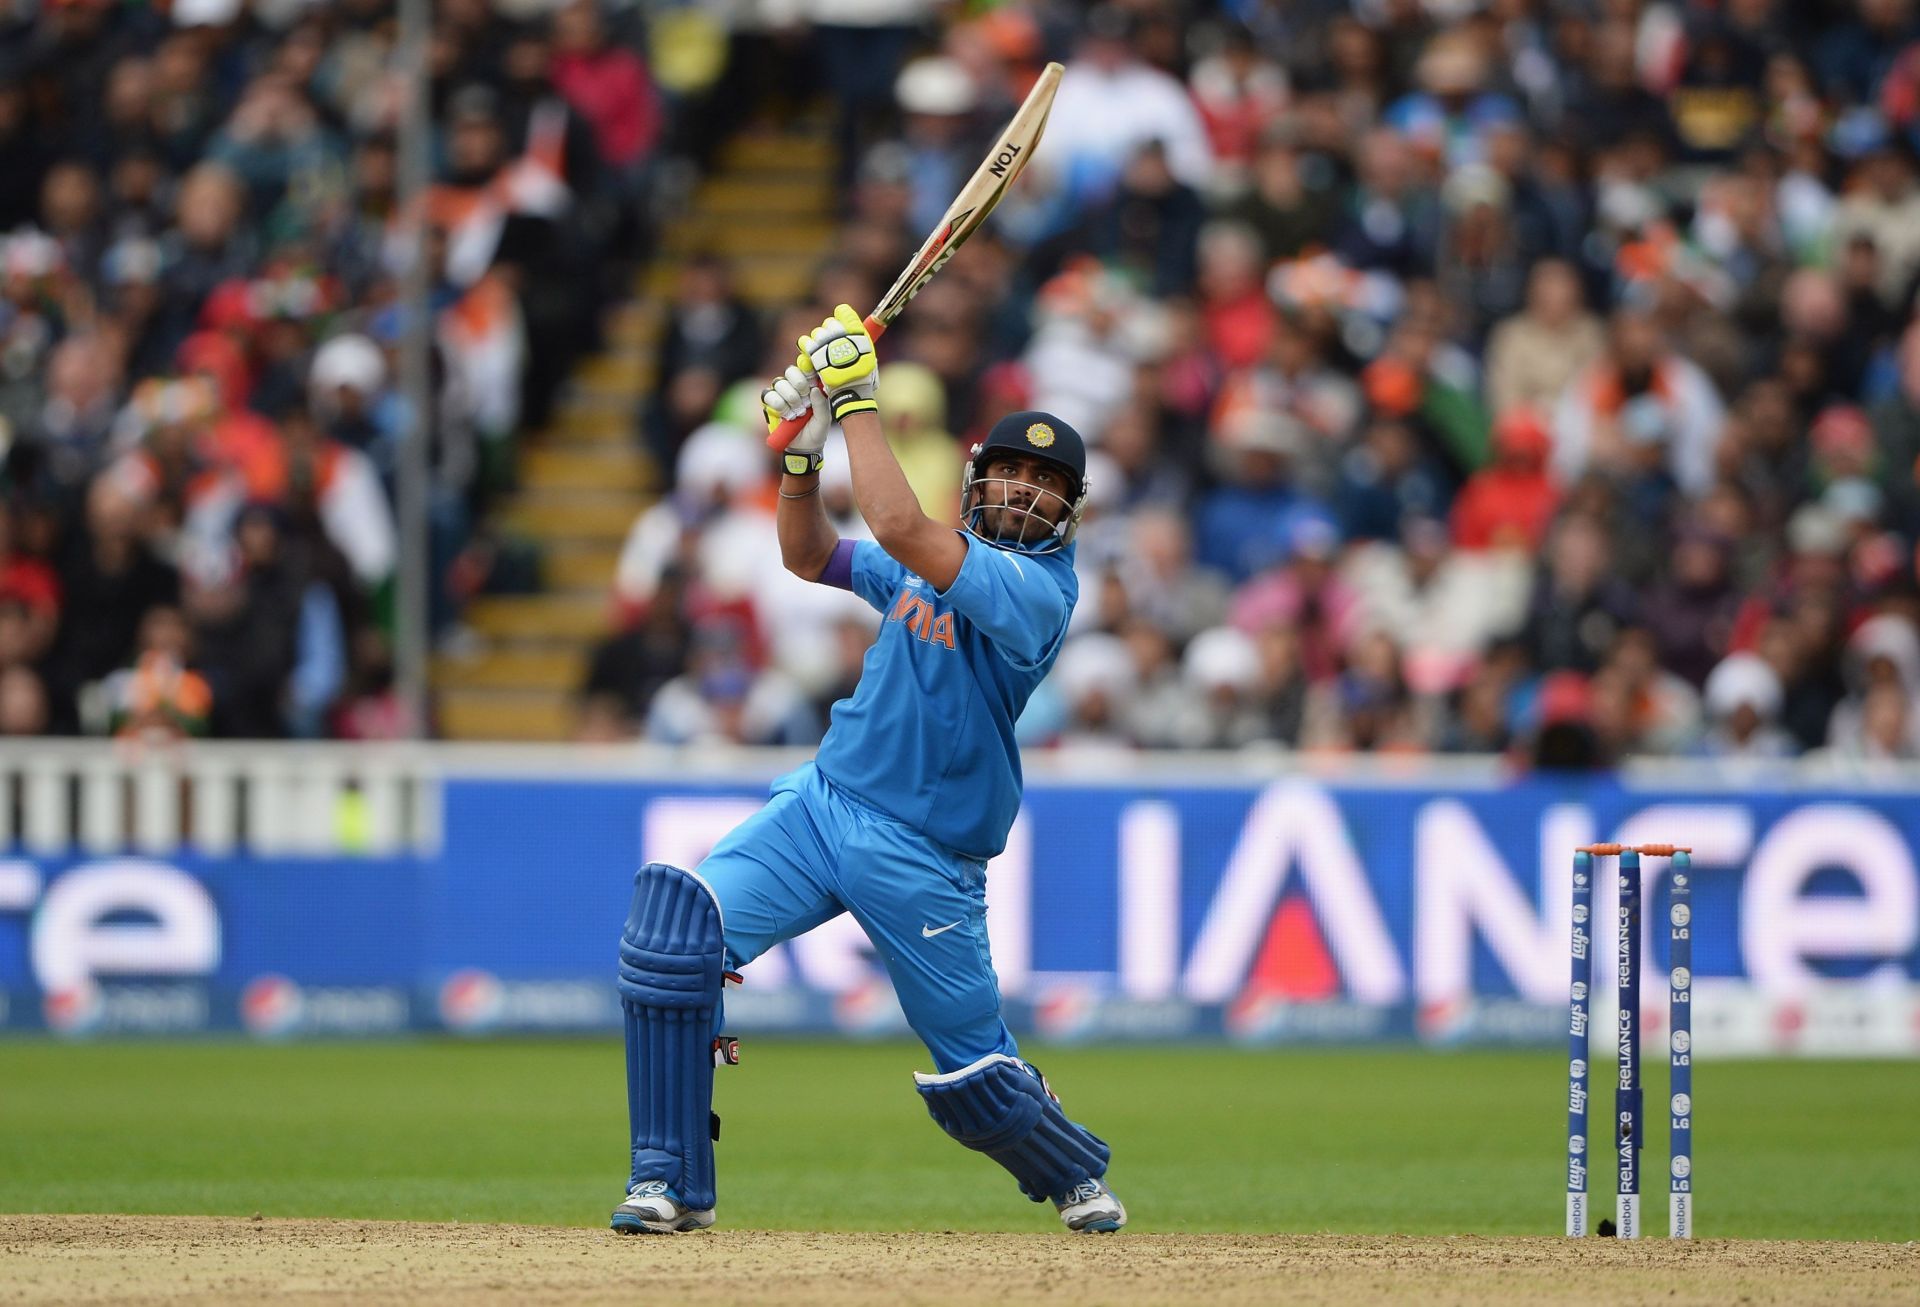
column 928, row 932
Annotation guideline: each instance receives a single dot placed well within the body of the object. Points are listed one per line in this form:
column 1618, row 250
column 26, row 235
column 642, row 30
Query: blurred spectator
column 1578, row 604
column 1324, row 288
column 712, row 340
column 1877, row 718
column 158, row 698
column 1110, row 102
column 1641, row 413
column 1510, row 503
column 1742, row 701
column 1533, row 354
column 913, row 408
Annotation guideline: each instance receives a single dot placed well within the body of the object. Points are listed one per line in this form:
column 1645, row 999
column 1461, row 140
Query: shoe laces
column 1084, row 1192
column 648, row 1189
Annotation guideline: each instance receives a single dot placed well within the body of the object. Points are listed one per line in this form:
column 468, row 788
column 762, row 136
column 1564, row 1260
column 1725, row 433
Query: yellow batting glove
column 841, row 353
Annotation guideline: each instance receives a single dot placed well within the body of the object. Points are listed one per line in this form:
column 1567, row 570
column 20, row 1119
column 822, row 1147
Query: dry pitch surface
column 179, row 1259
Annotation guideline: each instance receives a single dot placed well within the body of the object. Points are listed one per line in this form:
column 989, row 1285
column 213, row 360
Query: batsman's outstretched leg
column 1003, row 1107
column 671, row 972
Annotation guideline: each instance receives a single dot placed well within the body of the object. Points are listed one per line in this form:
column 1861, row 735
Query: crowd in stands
column 202, row 262
column 1516, row 376
column 1529, row 377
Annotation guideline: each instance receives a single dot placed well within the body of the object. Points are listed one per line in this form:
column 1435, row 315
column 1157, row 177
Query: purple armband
column 839, row 569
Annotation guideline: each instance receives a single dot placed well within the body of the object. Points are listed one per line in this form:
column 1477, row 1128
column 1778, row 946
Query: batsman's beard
column 1005, row 518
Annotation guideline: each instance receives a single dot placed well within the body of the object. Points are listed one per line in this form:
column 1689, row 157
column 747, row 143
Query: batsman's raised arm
column 841, row 354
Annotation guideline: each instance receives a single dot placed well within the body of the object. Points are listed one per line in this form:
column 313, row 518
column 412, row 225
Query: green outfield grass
column 825, row 1136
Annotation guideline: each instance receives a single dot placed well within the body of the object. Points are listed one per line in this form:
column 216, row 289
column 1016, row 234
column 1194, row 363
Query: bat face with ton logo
column 963, row 217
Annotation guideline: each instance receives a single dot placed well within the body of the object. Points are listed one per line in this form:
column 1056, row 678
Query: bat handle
column 782, row 436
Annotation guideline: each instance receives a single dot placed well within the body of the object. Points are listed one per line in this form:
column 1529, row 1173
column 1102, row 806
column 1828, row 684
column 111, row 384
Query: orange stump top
column 1644, row 850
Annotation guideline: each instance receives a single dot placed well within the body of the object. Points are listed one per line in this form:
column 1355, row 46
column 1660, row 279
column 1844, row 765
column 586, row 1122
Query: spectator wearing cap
column 1883, row 205
column 1450, row 113
column 716, row 504
column 1243, row 524
column 1096, row 681
column 913, row 408
column 1742, row 699
column 1306, row 593
column 939, row 99
column 1510, row 503
column 1561, row 734
column 1221, row 673
column 1482, row 264
column 1877, row 719
column 1110, row 102
column 721, row 699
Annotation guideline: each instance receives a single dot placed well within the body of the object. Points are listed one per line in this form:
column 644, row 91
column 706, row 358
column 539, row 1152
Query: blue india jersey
column 927, row 736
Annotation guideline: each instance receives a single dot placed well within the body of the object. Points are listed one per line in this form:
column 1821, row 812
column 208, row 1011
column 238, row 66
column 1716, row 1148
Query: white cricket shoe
column 652, row 1208
column 1091, row 1208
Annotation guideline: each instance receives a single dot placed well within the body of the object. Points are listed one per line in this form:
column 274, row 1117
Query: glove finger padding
column 797, row 395
column 841, row 352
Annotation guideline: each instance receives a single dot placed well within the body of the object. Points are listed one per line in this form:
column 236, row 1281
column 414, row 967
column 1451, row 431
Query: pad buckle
column 726, row 1051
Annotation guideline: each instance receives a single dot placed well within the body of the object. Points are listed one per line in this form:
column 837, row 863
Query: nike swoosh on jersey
column 928, row 932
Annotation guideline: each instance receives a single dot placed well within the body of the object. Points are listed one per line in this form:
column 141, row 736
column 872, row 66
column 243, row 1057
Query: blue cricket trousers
column 814, row 852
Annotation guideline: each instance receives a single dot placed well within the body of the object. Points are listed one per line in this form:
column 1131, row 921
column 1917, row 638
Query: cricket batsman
column 912, row 791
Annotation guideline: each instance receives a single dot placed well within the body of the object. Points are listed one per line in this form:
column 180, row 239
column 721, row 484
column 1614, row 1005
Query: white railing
column 104, row 797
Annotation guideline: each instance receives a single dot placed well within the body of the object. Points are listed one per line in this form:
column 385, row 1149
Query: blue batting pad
column 670, row 978
column 1002, row 1107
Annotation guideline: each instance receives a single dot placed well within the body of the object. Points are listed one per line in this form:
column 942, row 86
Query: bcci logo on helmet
column 1039, row 435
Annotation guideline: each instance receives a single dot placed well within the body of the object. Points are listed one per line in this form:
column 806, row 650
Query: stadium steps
column 768, row 207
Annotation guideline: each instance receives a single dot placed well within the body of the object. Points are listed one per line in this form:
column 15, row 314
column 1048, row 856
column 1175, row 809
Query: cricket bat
column 963, row 217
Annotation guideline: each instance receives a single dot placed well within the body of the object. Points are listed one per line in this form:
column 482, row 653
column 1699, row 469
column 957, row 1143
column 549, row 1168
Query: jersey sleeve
column 1016, row 604
column 876, row 575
